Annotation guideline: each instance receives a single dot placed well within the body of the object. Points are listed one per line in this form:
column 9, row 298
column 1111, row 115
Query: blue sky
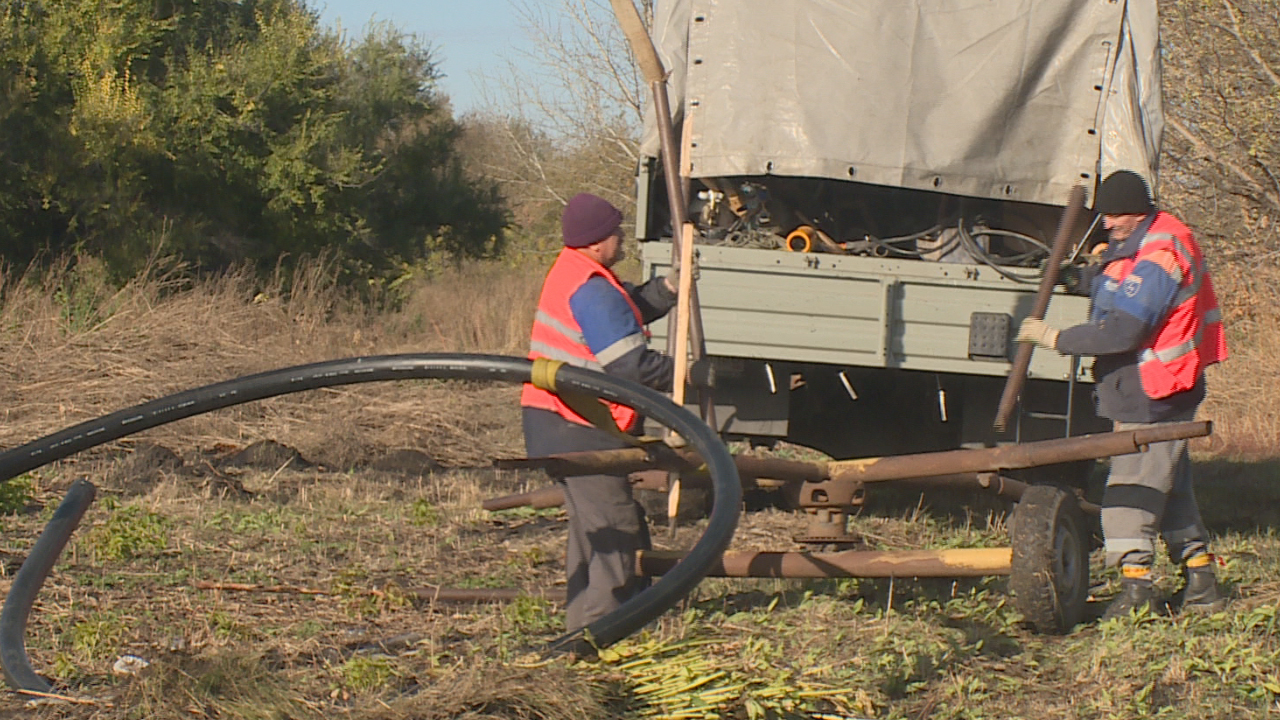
column 467, row 37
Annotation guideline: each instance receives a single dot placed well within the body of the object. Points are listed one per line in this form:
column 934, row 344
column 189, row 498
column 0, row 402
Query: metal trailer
column 862, row 356
column 872, row 185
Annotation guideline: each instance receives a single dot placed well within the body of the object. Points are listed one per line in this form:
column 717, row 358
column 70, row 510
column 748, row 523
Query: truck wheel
column 1050, row 570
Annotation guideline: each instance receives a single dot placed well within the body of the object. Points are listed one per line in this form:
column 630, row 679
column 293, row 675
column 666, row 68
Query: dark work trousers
column 1150, row 495
column 606, row 525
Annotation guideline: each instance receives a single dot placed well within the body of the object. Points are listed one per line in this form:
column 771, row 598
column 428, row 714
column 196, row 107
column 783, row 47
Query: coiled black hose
column 611, row 628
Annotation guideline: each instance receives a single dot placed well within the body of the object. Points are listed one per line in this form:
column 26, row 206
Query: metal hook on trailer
column 611, row 628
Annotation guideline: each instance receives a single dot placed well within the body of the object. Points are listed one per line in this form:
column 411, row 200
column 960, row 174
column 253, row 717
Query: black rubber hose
column 633, row 615
column 27, row 582
column 725, row 510
column 256, row 387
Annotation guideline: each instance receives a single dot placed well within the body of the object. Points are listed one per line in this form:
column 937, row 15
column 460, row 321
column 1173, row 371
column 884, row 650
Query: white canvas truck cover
column 1005, row 99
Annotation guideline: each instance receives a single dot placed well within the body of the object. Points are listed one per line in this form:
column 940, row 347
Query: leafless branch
column 1259, row 192
column 1249, row 49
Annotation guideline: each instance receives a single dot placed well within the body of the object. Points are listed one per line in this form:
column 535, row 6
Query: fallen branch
column 425, row 595
column 285, row 589
column 55, row 696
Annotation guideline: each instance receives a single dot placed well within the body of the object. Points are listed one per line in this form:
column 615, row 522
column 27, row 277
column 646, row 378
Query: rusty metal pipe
column 1013, row 457
column 631, row 460
column 994, row 483
column 976, row 562
column 546, row 497
column 1022, row 361
column 894, row 467
column 832, row 480
column 655, row 480
column 1000, row 485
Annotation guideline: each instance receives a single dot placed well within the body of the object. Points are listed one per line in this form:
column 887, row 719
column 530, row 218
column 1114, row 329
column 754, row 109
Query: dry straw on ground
column 76, row 349
column 166, row 569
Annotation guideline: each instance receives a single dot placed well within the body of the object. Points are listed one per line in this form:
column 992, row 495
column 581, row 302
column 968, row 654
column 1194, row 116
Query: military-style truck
column 874, row 185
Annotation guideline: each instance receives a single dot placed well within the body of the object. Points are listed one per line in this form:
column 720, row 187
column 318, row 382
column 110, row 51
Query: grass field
column 292, row 581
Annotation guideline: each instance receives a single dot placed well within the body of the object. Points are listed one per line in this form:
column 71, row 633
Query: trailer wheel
column 1050, row 569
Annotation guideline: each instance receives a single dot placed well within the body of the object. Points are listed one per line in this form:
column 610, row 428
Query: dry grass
column 474, row 308
column 76, row 349
column 131, row 581
column 343, row 635
column 1244, row 397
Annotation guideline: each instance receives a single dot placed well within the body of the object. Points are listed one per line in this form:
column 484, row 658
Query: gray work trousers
column 1150, row 494
column 606, row 525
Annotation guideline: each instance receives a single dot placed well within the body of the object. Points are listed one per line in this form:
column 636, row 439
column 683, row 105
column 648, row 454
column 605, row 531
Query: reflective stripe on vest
column 556, row 333
column 1191, row 337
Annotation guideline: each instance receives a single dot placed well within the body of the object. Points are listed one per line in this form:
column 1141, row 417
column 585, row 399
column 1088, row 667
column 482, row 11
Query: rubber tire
column 1049, row 576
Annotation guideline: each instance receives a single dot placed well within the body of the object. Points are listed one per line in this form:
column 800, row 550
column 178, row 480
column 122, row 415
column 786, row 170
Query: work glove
column 1034, row 330
column 1071, row 277
column 1078, row 277
column 702, row 374
column 673, row 277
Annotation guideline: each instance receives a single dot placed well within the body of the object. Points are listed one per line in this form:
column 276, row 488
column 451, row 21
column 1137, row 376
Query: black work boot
column 1134, row 595
column 1201, row 591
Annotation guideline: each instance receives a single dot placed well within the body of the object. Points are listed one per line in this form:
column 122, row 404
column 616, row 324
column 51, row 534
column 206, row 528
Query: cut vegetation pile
column 276, row 560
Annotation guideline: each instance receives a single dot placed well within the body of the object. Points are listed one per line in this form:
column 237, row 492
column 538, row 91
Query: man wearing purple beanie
column 588, row 318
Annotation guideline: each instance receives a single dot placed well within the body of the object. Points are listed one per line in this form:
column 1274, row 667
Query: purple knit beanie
column 588, row 219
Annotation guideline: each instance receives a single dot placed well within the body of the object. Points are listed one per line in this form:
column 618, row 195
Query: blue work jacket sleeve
column 1125, row 313
column 652, row 298
column 615, row 337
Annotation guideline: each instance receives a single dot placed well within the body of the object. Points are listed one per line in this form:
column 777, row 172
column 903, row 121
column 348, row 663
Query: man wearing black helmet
column 1154, row 326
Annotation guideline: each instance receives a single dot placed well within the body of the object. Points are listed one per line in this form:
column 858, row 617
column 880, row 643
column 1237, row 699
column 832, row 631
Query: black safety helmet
column 1124, row 192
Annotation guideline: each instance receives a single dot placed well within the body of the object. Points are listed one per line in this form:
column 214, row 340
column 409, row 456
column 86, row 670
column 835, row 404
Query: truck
column 874, row 186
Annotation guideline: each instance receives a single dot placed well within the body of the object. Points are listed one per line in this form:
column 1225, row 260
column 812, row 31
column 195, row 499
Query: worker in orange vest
column 589, row 318
column 1154, row 326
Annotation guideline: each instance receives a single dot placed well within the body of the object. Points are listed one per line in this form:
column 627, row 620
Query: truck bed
column 844, row 310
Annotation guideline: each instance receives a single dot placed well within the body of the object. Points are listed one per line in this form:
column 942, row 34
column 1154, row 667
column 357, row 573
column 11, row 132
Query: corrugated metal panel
column 791, row 317
column 853, row 311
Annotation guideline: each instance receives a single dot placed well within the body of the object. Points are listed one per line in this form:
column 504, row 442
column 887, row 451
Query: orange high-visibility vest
column 557, row 335
column 1191, row 338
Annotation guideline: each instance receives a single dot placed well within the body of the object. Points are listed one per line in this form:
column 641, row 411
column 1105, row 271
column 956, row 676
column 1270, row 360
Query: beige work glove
column 1034, row 330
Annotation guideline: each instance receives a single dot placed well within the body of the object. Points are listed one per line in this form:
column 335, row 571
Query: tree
column 1222, row 152
column 237, row 131
column 565, row 118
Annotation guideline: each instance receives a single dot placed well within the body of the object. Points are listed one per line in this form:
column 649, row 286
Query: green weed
column 97, row 637
column 16, row 494
column 307, row 629
column 131, row 531
column 525, row 513
column 423, row 514
column 531, row 615
column 226, row 627
column 263, row 522
column 85, row 296
column 365, row 673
